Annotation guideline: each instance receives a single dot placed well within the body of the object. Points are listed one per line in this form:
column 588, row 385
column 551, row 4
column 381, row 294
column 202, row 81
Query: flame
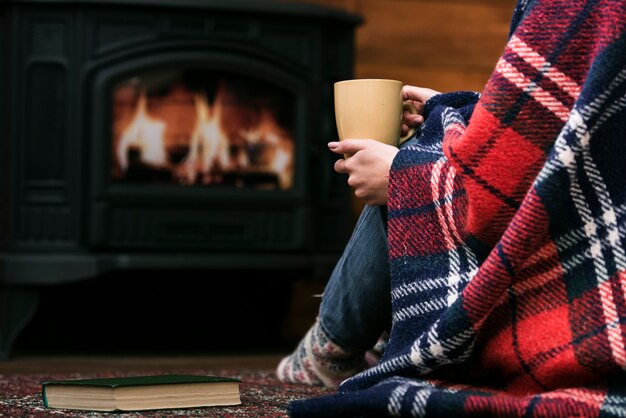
column 227, row 138
column 209, row 145
column 145, row 134
column 273, row 148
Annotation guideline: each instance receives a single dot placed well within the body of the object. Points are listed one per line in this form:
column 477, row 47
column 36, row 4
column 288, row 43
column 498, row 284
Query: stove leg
column 18, row 304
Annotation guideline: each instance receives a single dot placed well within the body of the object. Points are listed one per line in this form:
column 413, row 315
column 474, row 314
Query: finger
column 348, row 146
column 412, row 119
column 420, row 94
column 405, row 129
column 340, row 166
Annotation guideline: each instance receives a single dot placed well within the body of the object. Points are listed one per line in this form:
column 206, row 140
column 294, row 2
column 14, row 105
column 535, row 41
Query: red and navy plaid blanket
column 507, row 233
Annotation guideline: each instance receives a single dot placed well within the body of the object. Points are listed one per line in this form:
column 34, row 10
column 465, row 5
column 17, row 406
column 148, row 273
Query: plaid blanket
column 507, row 225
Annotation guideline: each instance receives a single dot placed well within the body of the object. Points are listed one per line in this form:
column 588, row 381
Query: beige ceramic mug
column 371, row 108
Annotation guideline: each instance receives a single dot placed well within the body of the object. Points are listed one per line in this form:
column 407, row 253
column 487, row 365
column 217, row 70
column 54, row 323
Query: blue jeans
column 356, row 302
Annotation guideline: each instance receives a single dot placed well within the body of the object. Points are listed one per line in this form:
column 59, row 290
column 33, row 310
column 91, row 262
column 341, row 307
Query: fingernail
column 333, row 144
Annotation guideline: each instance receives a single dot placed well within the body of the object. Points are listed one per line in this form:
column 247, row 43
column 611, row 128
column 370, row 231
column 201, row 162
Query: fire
column 209, row 146
column 185, row 138
column 144, row 134
column 271, row 148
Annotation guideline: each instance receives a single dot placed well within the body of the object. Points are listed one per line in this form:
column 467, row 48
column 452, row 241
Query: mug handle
column 409, row 107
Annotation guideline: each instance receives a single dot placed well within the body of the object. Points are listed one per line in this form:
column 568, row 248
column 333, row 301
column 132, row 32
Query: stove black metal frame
column 59, row 213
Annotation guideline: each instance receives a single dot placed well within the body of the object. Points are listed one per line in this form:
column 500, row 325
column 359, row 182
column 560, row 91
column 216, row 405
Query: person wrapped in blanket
column 492, row 248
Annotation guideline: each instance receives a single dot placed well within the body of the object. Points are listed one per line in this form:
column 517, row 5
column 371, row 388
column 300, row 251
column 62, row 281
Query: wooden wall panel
column 445, row 45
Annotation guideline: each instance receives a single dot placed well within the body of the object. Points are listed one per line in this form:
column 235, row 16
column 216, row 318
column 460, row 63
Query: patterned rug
column 262, row 395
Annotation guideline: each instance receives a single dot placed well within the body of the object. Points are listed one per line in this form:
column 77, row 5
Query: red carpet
column 262, row 395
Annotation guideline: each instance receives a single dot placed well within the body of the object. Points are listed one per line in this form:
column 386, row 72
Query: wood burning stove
column 166, row 134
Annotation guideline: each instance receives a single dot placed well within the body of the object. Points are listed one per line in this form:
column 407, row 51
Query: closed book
column 136, row 393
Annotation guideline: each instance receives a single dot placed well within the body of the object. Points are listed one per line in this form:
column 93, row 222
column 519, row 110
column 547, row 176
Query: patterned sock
column 373, row 356
column 318, row 361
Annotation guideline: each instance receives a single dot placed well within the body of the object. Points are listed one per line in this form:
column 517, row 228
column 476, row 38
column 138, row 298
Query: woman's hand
column 368, row 161
column 417, row 96
column 367, row 167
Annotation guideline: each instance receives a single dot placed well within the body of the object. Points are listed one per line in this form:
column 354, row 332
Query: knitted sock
column 320, row 362
column 373, row 356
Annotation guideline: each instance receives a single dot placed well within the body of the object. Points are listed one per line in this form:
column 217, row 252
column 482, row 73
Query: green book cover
column 115, row 382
